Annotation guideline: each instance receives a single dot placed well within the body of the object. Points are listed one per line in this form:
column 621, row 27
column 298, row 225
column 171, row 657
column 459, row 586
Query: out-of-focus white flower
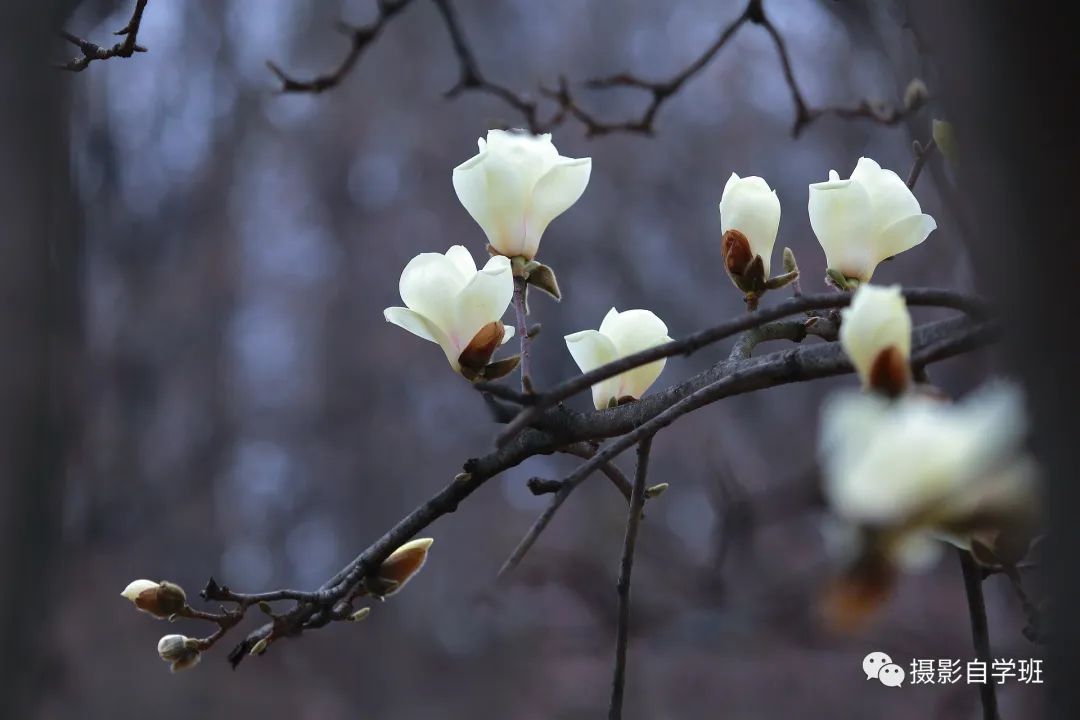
column 751, row 209
column 876, row 335
column 915, row 465
column 620, row 334
column 516, row 185
column 865, row 219
column 179, row 651
column 450, row 303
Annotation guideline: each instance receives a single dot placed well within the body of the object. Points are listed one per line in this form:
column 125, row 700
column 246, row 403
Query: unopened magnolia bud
column 945, row 137
column 656, row 490
column 915, row 94
column 182, row 652
column 401, row 566
column 161, row 599
column 360, row 614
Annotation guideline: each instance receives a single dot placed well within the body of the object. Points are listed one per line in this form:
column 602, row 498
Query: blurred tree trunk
column 39, row 340
column 1009, row 74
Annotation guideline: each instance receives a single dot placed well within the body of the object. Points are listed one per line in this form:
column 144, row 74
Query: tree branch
column 979, row 629
column 558, row 428
column 521, row 311
column 360, row 38
column 91, row 51
column 473, row 79
column 626, row 568
column 914, row 296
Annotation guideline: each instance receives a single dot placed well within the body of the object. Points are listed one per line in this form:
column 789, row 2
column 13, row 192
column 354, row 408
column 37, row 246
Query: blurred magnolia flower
column 450, row 303
column 749, row 219
column 876, row 335
column 180, row 651
column 400, row 567
column 902, row 474
column 620, row 334
column 865, row 219
column 160, row 599
column 516, row 185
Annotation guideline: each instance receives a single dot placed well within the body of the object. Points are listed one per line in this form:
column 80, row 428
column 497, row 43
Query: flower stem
column 522, row 328
column 979, row 630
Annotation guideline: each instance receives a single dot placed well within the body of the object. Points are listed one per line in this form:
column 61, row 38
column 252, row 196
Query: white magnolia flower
column 516, row 185
column 448, row 302
column 750, row 206
column 878, row 322
column 865, row 219
column 620, row 334
column 916, row 465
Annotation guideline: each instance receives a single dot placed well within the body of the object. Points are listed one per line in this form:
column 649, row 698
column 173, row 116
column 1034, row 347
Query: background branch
column 979, row 630
column 92, row 51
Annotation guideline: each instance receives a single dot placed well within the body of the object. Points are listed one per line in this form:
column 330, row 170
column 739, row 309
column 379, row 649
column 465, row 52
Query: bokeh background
column 245, row 412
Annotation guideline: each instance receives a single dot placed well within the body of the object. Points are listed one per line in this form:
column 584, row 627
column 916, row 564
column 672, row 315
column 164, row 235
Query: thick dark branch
column 91, row 51
column 359, row 37
column 626, row 568
column 562, row 427
column 647, row 416
column 979, row 630
column 687, row 345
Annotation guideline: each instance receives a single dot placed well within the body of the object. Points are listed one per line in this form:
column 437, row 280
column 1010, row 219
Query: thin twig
column 92, row 51
column 626, row 567
column 922, row 152
column 979, row 630
column 360, row 38
column 521, row 312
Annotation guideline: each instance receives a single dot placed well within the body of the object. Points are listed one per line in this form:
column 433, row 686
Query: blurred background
column 240, row 409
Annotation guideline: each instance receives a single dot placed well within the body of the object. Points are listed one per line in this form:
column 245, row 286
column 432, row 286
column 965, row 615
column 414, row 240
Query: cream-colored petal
column 633, row 331
column 591, row 349
column 483, row 300
column 841, row 217
column 904, row 235
column 508, row 333
column 429, row 284
column 462, row 261
column 471, row 185
column 411, row 321
column 890, row 196
column 137, row 587
column 555, row 191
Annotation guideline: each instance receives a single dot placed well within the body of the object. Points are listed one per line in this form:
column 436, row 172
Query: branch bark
column 626, row 568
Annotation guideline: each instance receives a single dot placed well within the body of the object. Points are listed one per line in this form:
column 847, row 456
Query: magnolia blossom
column 750, row 207
column 179, row 651
column 915, row 468
column 450, row 303
column 865, row 219
column 620, row 334
column 876, row 335
column 516, row 185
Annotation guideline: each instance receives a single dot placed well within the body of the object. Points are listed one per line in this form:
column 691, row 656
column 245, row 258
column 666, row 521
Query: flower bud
column 401, row 566
column 182, row 652
column 876, row 334
column 162, row 600
column 749, row 219
column 945, row 137
column 916, row 94
column 360, row 614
